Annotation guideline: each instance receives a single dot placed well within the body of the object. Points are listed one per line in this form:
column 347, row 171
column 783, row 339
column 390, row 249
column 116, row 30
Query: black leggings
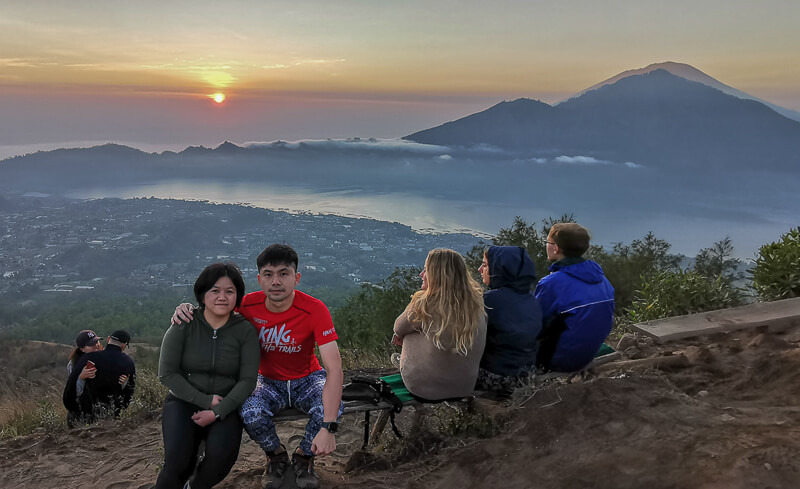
column 182, row 438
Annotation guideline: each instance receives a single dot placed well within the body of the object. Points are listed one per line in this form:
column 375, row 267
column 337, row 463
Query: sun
column 218, row 97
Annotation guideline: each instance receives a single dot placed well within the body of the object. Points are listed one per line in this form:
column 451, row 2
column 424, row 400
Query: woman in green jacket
column 210, row 366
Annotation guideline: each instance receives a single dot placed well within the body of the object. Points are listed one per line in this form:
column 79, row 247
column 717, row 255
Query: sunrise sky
column 145, row 72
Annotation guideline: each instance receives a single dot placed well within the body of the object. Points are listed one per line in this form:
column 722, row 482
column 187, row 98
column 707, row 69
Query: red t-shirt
column 287, row 338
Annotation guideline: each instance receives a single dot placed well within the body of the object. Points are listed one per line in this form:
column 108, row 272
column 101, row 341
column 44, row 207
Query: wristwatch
column 331, row 426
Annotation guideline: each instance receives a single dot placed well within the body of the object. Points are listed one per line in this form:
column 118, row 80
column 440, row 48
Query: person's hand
column 88, row 373
column 183, row 313
column 204, row 418
column 324, row 443
column 396, row 340
column 123, row 379
column 215, row 399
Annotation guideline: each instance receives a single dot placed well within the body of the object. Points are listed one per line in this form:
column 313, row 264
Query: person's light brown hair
column 572, row 238
column 451, row 308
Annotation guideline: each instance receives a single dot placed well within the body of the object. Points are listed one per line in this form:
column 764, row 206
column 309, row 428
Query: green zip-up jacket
column 197, row 362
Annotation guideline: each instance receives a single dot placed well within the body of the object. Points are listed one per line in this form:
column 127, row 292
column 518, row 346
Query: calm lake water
column 686, row 232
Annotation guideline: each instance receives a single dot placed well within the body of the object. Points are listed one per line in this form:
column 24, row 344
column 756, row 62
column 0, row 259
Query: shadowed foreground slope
column 721, row 413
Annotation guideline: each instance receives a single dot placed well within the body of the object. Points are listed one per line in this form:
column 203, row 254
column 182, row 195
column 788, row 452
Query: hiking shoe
column 273, row 475
column 305, row 476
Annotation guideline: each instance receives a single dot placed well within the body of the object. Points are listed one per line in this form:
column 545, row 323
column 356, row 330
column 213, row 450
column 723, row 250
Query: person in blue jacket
column 577, row 301
column 514, row 318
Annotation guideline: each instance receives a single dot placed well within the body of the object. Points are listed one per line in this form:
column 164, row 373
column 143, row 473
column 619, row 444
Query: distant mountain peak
column 691, row 73
column 651, row 117
column 228, row 146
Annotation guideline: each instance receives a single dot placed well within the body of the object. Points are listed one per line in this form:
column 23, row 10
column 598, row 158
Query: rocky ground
column 714, row 412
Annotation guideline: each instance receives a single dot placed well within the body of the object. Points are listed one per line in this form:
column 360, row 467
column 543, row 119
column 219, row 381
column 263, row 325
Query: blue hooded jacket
column 514, row 315
column 578, row 305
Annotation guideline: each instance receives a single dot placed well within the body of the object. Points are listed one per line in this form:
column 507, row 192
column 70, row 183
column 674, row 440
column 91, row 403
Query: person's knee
column 179, row 456
column 223, row 454
column 255, row 416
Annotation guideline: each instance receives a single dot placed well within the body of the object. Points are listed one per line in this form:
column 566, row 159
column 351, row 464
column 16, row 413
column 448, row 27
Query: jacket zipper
column 213, row 357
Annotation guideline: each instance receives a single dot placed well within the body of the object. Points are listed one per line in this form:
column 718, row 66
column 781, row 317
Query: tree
column 367, row 318
column 675, row 293
column 627, row 267
column 718, row 261
column 776, row 274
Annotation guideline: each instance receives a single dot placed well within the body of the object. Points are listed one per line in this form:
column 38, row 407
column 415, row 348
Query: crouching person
column 109, row 382
column 210, row 365
column 577, row 302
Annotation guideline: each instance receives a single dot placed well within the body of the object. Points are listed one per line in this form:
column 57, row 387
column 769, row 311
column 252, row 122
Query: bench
column 385, row 408
column 294, row 414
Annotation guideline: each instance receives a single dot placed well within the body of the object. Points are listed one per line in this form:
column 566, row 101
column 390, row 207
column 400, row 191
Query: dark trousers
column 182, row 439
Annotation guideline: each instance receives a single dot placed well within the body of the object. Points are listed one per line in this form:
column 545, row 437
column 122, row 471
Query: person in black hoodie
column 514, row 319
column 103, row 394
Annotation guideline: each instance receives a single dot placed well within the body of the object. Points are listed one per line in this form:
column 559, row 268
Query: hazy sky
column 143, row 71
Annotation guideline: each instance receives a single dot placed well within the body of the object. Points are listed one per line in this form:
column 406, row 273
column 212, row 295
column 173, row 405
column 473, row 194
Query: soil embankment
column 714, row 412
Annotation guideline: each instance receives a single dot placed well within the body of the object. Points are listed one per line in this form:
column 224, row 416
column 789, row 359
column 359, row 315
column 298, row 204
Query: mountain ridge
column 690, row 73
column 656, row 118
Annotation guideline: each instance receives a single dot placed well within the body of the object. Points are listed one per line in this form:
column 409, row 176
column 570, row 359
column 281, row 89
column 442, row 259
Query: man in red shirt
column 289, row 323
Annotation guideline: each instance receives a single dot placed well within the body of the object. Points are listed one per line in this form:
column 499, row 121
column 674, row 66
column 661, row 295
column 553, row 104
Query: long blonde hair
column 451, row 308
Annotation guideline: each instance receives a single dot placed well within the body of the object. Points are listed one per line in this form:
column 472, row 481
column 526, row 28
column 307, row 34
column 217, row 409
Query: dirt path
column 721, row 412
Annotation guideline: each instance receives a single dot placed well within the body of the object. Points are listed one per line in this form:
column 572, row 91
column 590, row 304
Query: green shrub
column 627, row 267
column 776, row 274
column 149, row 395
column 675, row 293
column 367, row 319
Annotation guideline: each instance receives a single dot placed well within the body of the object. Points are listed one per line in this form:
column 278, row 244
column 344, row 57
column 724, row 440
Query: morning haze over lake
column 631, row 117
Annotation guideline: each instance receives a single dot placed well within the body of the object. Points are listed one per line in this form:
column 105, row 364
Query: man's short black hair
column 277, row 254
column 209, row 276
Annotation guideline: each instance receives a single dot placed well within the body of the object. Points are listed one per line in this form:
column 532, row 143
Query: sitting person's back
column 514, row 317
column 577, row 302
column 442, row 330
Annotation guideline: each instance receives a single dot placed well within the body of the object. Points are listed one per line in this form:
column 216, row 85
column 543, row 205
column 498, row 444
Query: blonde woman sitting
column 442, row 330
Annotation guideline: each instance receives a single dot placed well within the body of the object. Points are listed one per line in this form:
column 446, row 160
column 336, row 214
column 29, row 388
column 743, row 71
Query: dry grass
column 32, row 376
column 360, row 359
column 31, row 379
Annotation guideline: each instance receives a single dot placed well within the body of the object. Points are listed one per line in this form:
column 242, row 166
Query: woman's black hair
column 209, row 276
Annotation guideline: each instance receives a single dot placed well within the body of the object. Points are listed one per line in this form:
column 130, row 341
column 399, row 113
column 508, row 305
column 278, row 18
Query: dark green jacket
column 197, row 362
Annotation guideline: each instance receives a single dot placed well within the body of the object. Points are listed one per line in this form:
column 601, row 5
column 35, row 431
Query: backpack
column 372, row 390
